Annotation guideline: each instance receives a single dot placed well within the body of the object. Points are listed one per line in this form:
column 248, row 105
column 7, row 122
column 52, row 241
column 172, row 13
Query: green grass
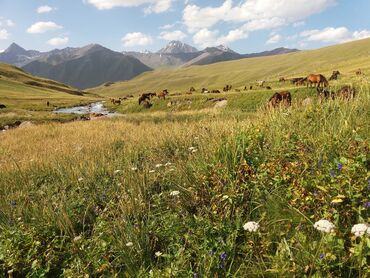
column 94, row 198
column 25, row 101
column 346, row 58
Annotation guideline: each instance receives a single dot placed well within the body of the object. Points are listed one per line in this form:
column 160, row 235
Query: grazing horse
column 115, row 101
column 284, row 98
column 251, row 88
column 282, row 79
column 144, row 97
column 192, row 89
column 268, row 88
column 163, row 94
column 216, row 92
column 295, row 80
column 346, row 92
column 205, row 91
column 2, row 106
column 325, row 94
column 334, row 75
column 358, row 72
column 147, row 104
column 317, row 79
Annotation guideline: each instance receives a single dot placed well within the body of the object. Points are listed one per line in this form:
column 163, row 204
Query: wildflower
column 152, row 171
column 77, row 238
column 367, row 205
column 158, row 165
column 359, row 229
column 80, row 179
column 174, row 193
column 332, row 173
column 251, row 226
column 13, row 204
column 211, row 252
column 195, row 275
column 340, row 166
column 158, row 254
column 193, row 149
column 129, row 244
column 368, row 183
column 117, row 171
column 322, row 256
column 324, row 226
column 223, row 258
column 134, row 169
column 168, row 164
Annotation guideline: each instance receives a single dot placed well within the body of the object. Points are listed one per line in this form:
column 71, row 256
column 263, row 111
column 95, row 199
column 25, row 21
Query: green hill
column 26, row 96
column 344, row 57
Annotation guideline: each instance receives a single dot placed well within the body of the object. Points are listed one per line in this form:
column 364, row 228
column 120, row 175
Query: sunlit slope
column 19, row 89
column 344, row 57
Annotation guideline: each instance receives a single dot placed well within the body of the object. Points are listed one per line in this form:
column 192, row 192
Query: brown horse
column 318, row 79
column 325, row 94
column 163, row 94
column 335, row 75
column 358, row 72
column 116, row 101
column 283, row 98
column 346, row 92
column 144, row 97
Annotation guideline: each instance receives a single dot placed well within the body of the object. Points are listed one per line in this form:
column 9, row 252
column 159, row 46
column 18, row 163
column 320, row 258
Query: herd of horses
column 283, row 98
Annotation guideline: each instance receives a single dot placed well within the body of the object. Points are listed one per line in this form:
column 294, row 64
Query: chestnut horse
column 317, row 79
column 277, row 99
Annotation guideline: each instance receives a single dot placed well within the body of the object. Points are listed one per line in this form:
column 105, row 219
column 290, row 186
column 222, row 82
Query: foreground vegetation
column 138, row 197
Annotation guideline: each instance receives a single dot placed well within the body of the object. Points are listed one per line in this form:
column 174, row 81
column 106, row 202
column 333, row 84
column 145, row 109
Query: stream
column 97, row 108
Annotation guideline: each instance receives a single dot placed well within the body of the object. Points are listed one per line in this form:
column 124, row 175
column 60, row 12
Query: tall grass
column 100, row 198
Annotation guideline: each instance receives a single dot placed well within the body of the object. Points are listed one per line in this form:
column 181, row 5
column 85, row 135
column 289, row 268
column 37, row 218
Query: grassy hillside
column 132, row 197
column 26, row 96
column 345, row 58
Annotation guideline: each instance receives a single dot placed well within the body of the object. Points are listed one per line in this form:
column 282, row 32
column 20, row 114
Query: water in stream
column 97, row 108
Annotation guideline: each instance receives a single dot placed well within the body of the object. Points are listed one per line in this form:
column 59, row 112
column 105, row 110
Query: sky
column 246, row 26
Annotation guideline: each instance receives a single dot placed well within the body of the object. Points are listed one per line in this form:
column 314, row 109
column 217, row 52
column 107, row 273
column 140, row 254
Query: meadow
column 190, row 190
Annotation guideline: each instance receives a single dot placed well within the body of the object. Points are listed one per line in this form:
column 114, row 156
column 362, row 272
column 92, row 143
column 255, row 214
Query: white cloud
column 6, row 22
column 298, row 24
column 172, row 35
column 42, row 27
column 57, row 41
column 136, row 39
column 4, row 34
column 328, row 34
column 152, row 6
column 167, row 26
column 336, row 35
column 252, row 13
column 2, row 50
column 274, row 38
column 206, row 38
column 44, row 9
column 359, row 35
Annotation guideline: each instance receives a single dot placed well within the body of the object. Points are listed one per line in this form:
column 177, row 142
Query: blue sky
column 244, row 25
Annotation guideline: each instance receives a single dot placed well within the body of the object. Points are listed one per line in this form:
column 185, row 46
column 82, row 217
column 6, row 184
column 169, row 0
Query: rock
column 221, row 104
column 307, row 102
column 25, row 124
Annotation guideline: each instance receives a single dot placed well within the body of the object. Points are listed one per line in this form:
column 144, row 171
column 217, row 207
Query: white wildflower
column 360, row 229
column 80, row 179
column 152, row 171
column 158, row 253
column 324, row 226
column 159, row 165
column 77, row 238
column 251, row 226
column 134, row 169
column 174, row 193
column 129, row 244
column 168, row 164
column 117, row 171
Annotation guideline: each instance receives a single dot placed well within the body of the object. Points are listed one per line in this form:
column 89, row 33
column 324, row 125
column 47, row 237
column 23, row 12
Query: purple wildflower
column 195, row 275
column 315, row 193
column 322, row 256
column 223, row 256
column 368, row 183
column 320, row 163
column 13, row 204
column 340, row 166
column 367, row 205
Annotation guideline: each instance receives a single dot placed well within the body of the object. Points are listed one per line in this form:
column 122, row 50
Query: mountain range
column 93, row 65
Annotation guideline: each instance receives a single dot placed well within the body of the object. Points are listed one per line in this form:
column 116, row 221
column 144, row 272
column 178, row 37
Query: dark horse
column 318, row 79
column 284, row 98
column 335, row 75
